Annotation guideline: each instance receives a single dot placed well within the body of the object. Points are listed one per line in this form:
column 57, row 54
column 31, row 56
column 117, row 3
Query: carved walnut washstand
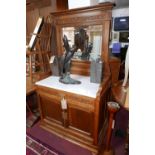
column 84, row 122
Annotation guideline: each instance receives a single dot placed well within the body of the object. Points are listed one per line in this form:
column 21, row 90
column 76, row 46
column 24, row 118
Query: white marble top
column 86, row 88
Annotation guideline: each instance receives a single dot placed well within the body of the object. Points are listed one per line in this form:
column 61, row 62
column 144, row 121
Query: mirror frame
column 95, row 15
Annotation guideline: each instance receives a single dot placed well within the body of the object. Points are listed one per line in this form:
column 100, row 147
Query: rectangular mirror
column 87, row 38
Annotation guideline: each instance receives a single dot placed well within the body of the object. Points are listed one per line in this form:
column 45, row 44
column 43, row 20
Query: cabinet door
column 81, row 120
column 50, row 107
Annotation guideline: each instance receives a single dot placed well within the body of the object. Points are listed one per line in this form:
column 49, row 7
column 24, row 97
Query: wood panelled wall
column 34, row 9
column 31, row 19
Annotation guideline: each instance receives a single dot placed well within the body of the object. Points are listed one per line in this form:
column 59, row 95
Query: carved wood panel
column 51, row 108
column 84, row 18
column 81, row 120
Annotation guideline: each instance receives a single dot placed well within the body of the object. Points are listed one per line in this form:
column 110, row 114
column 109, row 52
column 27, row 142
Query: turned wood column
column 113, row 107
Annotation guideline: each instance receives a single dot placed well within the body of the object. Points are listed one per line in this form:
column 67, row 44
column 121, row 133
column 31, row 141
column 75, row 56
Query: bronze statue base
column 66, row 79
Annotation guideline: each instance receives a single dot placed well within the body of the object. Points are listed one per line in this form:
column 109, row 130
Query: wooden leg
column 113, row 107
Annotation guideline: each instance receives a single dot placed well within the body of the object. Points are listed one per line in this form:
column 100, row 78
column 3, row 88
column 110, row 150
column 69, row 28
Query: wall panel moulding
column 33, row 4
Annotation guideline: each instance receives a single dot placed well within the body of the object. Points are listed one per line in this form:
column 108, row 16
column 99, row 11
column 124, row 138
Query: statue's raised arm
column 69, row 52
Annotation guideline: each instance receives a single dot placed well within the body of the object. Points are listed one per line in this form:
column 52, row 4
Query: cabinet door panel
column 81, row 120
column 50, row 108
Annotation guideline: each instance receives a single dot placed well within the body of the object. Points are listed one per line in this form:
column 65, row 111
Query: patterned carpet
column 36, row 147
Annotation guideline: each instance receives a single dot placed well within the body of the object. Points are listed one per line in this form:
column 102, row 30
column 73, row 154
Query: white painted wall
column 102, row 1
column 78, row 3
column 93, row 2
column 81, row 3
column 120, row 12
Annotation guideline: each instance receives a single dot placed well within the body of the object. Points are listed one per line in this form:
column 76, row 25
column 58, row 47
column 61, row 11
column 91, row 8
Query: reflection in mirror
column 88, row 39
